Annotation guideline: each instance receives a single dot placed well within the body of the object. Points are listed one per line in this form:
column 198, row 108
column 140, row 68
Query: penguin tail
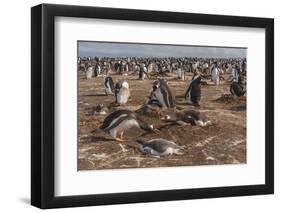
column 97, row 130
column 178, row 152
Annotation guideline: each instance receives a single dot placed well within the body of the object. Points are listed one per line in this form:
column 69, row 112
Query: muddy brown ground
column 223, row 142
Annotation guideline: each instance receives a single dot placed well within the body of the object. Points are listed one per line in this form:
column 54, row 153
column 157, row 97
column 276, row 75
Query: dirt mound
column 228, row 98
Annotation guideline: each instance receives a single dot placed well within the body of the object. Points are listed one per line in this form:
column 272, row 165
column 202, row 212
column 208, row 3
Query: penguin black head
column 99, row 107
column 156, row 85
column 148, row 128
column 141, row 141
column 197, row 80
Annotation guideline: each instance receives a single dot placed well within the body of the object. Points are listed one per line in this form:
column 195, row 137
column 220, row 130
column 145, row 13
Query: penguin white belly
column 98, row 71
column 202, row 123
column 215, row 77
column 108, row 89
column 113, row 132
column 217, row 81
column 149, row 69
column 168, row 151
column 123, row 96
column 143, row 76
column 89, row 73
column 151, row 151
column 182, row 76
column 115, row 120
column 127, row 124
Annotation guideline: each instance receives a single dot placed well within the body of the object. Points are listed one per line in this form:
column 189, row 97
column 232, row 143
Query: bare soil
column 223, row 142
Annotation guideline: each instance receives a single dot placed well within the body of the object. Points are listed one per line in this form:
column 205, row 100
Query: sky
column 110, row 49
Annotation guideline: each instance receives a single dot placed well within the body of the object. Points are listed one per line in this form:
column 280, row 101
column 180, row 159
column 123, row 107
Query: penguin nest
column 228, row 98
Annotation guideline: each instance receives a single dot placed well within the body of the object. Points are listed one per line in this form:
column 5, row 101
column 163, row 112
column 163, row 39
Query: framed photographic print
column 139, row 106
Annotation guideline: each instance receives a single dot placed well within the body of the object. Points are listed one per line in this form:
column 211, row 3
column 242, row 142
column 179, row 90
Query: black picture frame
column 43, row 105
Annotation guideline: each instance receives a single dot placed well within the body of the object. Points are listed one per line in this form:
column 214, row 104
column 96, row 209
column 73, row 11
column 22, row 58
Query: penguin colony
column 160, row 97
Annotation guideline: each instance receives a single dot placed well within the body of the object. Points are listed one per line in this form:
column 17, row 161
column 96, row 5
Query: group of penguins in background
column 117, row 122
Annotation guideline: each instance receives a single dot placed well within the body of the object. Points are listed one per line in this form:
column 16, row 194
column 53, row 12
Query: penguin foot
column 119, row 139
column 162, row 118
column 177, row 152
column 196, row 104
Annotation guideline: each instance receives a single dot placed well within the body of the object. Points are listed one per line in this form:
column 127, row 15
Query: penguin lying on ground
column 162, row 95
column 121, row 120
column 236, row 88
column 151, row 105
column 122, row 92
column 159, row 147
column 194, row 90
column 188, row 117
column 100, row 109
column 108, row 85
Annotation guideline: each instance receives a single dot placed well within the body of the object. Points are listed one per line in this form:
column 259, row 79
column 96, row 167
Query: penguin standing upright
column 97, row 70
column 89, row 73
column 179, row 73
column 215, row 74
column 119, row 121
column 194, row 90
column 142, row 72
column 236, row 73
column 108, row 85
column 122, row 92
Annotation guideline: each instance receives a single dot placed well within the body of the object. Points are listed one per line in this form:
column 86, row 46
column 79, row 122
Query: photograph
column 160, row 105
column 162, row 98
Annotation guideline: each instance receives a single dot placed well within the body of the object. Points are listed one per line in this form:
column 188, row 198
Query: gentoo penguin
column 162, row 93
column 142, row 72
column 236, row 88
column 235, row 73
column 97, row 70
column 100, row 109
column 180, row 73
column 151, row 105
column 108, row 85
column 195, row 118
column 215, row 75
column 159, row 147
column 150, row 68
column 89, row 73
column 121, row 120
column 122, row 92
column 194, row 90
